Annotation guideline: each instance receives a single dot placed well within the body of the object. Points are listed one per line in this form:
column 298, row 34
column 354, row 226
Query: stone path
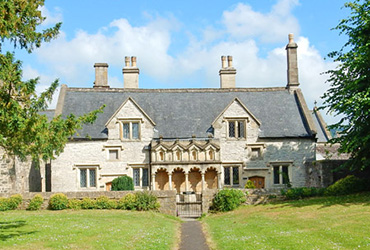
column 192, row 237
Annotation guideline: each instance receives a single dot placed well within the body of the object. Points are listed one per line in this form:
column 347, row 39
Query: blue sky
column 178, row 44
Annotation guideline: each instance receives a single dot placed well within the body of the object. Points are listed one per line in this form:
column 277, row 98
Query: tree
column 24, row 132
column 349, row 92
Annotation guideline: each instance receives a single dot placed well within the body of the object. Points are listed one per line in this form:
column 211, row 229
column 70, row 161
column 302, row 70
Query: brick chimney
column 101, row 75
column 227, row 74
column 291, row 50
column 130, row 73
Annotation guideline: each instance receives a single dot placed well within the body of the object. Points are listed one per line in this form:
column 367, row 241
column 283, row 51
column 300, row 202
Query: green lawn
column 318, row 223
column 87, row 229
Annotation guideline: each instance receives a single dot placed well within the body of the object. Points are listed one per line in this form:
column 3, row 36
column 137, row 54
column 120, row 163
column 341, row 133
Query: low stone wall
column 167, row 199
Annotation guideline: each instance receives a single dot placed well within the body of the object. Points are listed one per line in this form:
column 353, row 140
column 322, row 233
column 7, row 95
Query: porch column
column 153, row 181
column 219, row 180
column 170, row 180
column 203, row 182
column 186, row 182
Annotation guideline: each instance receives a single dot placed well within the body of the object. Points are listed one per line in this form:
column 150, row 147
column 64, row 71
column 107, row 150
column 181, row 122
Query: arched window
column 194, row 155
column 161, row 156
column 211, row 155
column 178, row 155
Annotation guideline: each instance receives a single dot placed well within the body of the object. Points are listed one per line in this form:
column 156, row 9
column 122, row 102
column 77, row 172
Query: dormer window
column 130, row 130
column 236, row 128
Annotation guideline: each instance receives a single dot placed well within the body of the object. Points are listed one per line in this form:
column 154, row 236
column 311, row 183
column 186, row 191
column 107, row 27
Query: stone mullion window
column 87, row 177
column 236, row 129
column 141, row 177
column 130, row 130
column 231, row 176
column 281, row 174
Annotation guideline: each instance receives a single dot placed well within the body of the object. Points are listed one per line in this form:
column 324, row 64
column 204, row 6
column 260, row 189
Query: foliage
column 74, row 204
column 227, row 200
column 103, row 202
column 348, row 185
column 146, row 201
column 303, row 192
column 250, row 185
column 58, row 201
column 127, row 202
column 10, row 203
column 36, row 202
column 349, row 93
column 23, row 130
column 122, row 183
column 88, row 203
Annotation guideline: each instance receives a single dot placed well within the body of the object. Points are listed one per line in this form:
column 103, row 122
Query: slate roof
column 320, row 125
column 49, row 113
column 181, row 113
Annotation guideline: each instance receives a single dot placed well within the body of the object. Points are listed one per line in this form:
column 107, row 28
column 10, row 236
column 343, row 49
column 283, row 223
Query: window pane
column 235, row 176
column 285, row 175
column 92, row 173
column 113, row 154
column 126, row 130
column 83, row 177
column 276, row 175
column 231, row 129
column 136, row 176
column 227, row 176
column 135, row 130
column 241, row 129
column 145, row 177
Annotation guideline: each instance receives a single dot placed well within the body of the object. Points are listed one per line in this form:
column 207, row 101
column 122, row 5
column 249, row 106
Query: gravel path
column 192, row 237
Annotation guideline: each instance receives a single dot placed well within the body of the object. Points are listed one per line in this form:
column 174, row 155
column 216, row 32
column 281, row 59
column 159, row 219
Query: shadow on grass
column 7, row 229
column 327, row 201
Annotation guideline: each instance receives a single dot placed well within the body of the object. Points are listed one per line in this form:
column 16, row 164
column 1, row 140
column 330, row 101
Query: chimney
column 291, row 50
column 130, row 73
column 101, row 75
column 227, row 74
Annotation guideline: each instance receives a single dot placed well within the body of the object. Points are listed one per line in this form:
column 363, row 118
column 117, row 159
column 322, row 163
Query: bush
column 146, row 201
column 103, row 202
column 74, row 204
column 122, row 183
column 4, row 204
column 249, row 185
column 347, row 185
column 127, row 202
column 87, row 203
column 36, row 202
column 58, row 202
column 302, row 192
column 228, row 199
column 14, row 201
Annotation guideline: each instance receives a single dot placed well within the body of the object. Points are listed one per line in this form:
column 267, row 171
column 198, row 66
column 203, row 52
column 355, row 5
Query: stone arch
column 211, row 178
column 161, row 179
column 195, row 180
column 178, row 180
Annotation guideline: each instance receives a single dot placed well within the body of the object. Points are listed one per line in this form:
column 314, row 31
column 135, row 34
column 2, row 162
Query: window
column 281, row 174
column 255, row 153
column 87, row 177
column 113, row 154
column 231, row 176
column 131, row 130
column 236, row 129
column 178, row 155
column 210, row 155
column 141, row 177
column 194, row 155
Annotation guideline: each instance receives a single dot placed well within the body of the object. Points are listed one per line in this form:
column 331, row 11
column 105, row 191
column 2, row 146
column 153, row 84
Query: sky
column 178, row 44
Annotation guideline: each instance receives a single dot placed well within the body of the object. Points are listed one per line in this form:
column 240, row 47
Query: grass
column 316, row 223
column 87, row 229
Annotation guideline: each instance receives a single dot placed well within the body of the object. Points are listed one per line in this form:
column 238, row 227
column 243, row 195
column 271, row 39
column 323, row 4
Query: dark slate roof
column 181, row 113
column 321, row 134
column 49, row 113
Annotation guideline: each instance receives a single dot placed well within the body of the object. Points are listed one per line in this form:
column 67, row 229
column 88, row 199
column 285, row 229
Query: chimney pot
column 133, row 61
column 127, row 61
column 130, row 74
column 227, row 74
column 230, row 61
column 223, row 62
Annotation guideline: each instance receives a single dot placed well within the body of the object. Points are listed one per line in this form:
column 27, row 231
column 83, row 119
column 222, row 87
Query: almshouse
column 183, row 139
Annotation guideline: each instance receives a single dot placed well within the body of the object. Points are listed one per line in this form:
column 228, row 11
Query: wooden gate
column 189, row 205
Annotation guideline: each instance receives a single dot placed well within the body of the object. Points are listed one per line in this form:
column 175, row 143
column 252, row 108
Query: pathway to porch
column 192, row 236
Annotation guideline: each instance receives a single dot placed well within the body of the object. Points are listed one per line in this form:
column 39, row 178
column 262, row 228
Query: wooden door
column 258, row 181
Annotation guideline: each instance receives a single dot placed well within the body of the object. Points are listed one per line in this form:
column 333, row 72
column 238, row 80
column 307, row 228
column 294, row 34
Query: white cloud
column 51, row 17
column 244, row 22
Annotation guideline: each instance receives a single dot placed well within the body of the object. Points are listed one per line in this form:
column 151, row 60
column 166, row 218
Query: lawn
column 87, row 229
column 317, row 223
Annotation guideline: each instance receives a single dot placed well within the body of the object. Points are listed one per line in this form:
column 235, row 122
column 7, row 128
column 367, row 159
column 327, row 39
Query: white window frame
column 130, row 134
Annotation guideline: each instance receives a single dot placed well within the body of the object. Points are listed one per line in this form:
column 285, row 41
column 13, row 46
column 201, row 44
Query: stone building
column 185, row 139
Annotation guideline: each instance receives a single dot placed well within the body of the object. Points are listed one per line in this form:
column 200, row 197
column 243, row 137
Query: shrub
column 146, row 201
column 14, row 201
column 302, row 192
column 249, row 185
column 74, row 204
column 87, row 203
column 127, row 202
column 36, row 202
column 4, row 204
column 122, row 183
column 103, row 202
column 58, row 202
column 228, row 199
column 347, row 185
